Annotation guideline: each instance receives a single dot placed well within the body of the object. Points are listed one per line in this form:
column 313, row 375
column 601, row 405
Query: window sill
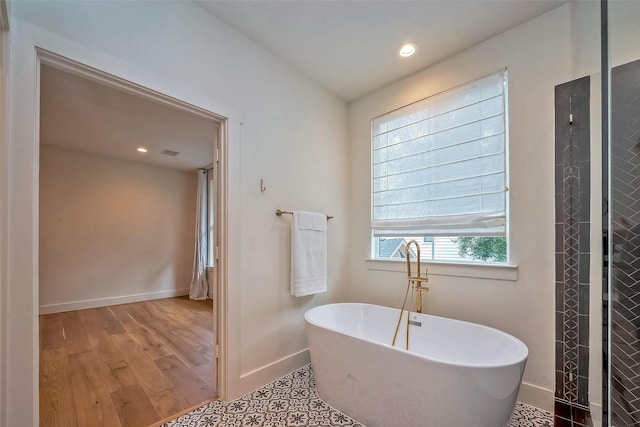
column 439, row 268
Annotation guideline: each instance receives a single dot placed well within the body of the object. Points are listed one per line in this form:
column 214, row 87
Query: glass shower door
column 622, row 408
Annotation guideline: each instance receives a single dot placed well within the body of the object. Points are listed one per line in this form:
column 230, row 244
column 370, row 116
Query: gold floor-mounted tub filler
column 413, row 282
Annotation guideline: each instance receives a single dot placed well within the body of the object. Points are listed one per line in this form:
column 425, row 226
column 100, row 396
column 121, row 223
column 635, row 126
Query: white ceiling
column 85, row 115
column 349, row 46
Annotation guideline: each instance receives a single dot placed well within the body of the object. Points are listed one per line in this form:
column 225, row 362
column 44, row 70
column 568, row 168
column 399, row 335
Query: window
column 439, row 169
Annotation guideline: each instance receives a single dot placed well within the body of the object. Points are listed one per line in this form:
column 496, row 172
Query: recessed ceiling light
column 142, row 149
column 407, row 49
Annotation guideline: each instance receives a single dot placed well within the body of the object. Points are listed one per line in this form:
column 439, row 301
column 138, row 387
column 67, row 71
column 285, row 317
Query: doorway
column 117, row 234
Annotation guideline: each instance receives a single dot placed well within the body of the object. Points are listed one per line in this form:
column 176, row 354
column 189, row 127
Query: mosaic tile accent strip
column 572, row 181
column 292, row 401
column 566, row 415
column 625, row 260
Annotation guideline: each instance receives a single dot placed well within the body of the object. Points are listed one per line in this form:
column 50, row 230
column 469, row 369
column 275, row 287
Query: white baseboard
column 536, row 396
column 596, row 413
column 103, row 302
column 544, row 399
column 259, row 377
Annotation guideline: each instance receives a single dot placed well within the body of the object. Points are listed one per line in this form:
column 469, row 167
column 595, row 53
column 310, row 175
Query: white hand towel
column 308, row 253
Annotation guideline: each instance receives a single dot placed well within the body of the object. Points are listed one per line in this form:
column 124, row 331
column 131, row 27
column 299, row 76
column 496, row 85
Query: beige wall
column 112, row 231
column 282, row 128
column 536, row 55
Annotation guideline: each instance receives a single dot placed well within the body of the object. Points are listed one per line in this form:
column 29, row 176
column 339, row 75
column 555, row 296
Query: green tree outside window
column 483, row 248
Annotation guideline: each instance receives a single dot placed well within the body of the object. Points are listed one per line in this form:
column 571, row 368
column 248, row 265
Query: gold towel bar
column 281, row 212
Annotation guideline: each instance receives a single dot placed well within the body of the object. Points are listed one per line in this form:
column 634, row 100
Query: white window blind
column 439, row 165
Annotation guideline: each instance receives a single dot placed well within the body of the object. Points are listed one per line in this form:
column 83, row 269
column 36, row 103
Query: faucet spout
column 417, row 280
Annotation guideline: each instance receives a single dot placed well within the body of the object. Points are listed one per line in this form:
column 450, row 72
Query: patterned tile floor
column 292, row 401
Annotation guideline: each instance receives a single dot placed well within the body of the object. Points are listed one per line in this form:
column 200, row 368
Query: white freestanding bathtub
column 455, row 374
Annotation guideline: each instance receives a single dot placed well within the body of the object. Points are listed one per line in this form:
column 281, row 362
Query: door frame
column 219, row 161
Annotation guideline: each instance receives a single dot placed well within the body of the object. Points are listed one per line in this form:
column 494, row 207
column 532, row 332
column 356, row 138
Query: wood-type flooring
column 128, row 365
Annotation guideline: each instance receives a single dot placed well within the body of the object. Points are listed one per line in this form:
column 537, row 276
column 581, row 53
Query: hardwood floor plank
column 181, row 316
column 51, row 331
column 195, row 332
column 110, row 324
column 168, row 403
column 188, row 348
column 140, row 313
column 191, row 310
column 56, row 401
column 120, row 312
column 204, row 320
column 100, row 319
column 194, row 388
column 133, row 407
column 149, row 376
column 208, row 372
column 153, row 347
column 188, row 351
column 90, row 320
column 76, row 340
column 198, row 340
column 93, row 404
column 113, row 367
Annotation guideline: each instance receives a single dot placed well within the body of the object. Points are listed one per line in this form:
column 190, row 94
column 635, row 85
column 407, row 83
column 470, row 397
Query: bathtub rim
column 517, row 341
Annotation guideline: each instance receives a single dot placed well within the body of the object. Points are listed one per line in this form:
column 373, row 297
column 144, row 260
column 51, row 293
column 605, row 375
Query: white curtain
column 199, row 285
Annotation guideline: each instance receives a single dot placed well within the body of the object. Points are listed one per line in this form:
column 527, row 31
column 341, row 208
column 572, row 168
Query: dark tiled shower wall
column 572, row 185
column 624, row 261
